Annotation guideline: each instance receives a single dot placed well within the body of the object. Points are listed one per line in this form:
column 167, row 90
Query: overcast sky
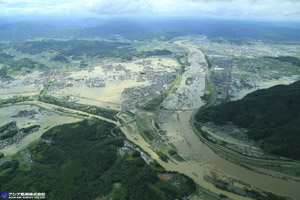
column 249, row 9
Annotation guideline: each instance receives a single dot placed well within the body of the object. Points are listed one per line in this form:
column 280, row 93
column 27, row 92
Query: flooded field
column 103, row 85
column 252, row 74
column 109, row 84
column 261, row 84
column 44, row 118
column 24, row 85
column 188, row 94
column 200, row 160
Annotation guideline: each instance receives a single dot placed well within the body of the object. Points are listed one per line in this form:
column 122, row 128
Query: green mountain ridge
column 81, row 161
column 272, row 117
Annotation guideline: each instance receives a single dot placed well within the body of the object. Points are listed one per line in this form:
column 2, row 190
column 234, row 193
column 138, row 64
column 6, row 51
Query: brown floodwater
column 110, row 96
column 200, row 159
column 46, row 119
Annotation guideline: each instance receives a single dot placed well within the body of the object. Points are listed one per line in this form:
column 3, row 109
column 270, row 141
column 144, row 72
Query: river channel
column 200, row 159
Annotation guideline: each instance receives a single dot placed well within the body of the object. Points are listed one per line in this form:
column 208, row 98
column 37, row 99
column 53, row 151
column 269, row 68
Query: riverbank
column 200, row 160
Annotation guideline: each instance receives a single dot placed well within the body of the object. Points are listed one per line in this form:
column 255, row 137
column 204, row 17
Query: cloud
column 214, row 8
column 117, row 7
column 267, row 9
column 40, row 7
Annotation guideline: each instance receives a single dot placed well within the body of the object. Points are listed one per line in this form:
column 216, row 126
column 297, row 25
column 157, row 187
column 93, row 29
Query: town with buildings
column 221, row 76
column 233, row 137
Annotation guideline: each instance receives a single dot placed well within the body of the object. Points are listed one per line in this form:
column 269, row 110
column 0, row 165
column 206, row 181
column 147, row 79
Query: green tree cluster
column 272, row 117
column 290, row 59
column 10, row 64
column 81, row 161
column 78, row 48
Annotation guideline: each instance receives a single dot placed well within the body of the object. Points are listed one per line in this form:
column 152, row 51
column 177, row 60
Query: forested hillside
column 272, row 117
column 77, row 48
column 81, row 161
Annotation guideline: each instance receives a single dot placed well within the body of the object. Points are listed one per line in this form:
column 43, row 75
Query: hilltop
column 271, row 116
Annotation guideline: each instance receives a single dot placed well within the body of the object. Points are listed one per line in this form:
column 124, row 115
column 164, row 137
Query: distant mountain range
column 162, row 29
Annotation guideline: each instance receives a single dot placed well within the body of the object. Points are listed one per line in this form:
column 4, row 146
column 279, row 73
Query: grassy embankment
column 210, row 95
column 151, row 136
column 149, row 133
column 154, row 103
column 291, row 168
column 245, row 191
column 62, row 160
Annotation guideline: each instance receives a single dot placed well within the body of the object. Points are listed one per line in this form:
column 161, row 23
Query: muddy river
column 45, row 118
column 201, row 160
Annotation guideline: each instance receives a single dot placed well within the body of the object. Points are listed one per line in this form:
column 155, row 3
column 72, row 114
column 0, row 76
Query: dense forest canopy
column 77, row 48
column 272, row 116
column 81, row 161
